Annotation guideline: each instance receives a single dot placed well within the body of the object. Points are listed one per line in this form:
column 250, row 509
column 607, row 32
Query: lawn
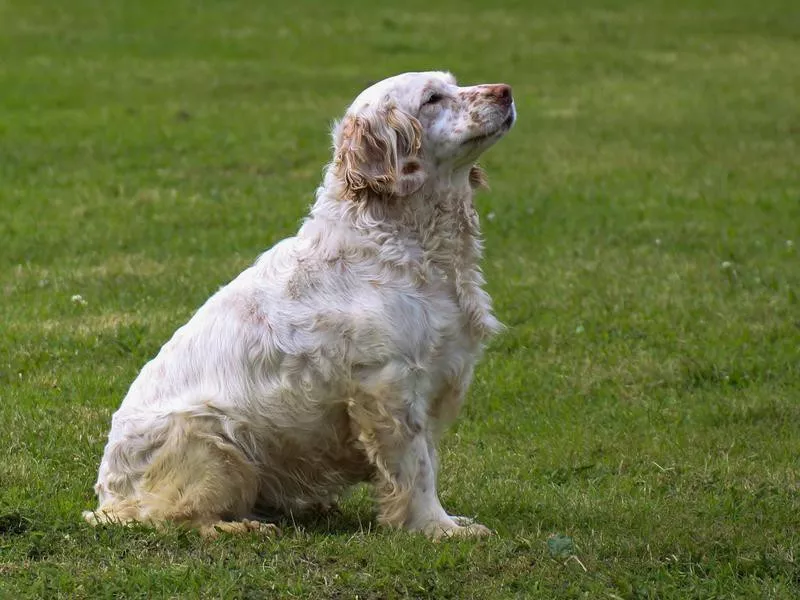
column 643, row 247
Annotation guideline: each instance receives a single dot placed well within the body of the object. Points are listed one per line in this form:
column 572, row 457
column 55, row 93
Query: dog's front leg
column 397, row 443
column 442, row 412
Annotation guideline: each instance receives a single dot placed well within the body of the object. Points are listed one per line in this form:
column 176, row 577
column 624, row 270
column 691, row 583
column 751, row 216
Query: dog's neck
column 434, row 233
column 436, row 225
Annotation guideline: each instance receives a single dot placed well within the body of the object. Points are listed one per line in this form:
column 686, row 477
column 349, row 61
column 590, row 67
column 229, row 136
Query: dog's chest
column 468, row 310
column 449, row 341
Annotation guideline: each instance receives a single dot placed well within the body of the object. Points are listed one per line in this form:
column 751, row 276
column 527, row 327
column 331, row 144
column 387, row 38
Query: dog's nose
column 500, row 92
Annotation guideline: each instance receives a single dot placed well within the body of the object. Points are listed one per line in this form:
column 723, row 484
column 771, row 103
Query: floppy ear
column 477, row 177
column 376, row 154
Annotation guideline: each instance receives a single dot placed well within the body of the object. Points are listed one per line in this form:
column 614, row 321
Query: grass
column 642, row 245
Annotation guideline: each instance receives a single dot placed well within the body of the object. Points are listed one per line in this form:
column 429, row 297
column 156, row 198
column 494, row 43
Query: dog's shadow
column 354, row 514
column 332, row 522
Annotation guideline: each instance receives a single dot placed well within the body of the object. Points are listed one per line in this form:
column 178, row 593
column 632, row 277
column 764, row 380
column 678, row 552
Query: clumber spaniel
column 343, row 352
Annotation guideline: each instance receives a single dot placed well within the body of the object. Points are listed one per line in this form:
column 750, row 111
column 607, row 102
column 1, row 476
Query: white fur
column 343, row 352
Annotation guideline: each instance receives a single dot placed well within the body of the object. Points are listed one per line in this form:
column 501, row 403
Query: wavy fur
column 342, row 354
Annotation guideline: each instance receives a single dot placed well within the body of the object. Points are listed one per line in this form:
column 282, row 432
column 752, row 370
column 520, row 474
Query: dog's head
column 414, row 128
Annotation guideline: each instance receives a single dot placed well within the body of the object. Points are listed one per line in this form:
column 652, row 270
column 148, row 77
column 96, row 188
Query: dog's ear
column 477, row 178
column 376, row 154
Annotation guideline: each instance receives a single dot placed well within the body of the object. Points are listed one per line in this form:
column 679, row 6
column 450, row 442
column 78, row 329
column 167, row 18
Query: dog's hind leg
column 199, row 477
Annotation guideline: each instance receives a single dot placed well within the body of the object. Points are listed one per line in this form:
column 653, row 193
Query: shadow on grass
column 13, row 524
column 337, row 521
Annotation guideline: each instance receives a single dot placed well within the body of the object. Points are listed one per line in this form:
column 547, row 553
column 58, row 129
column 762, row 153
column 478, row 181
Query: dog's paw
column 239, row 527
column 438, row 531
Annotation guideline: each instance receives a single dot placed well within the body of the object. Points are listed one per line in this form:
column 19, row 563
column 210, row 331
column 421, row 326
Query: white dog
column 343, row 352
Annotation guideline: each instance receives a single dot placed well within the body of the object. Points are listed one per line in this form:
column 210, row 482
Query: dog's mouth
column 503, row 128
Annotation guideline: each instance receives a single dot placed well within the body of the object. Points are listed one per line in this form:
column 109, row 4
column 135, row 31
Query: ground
column 633, row 434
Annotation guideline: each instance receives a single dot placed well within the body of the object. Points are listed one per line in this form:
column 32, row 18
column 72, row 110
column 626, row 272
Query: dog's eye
column 433, row 99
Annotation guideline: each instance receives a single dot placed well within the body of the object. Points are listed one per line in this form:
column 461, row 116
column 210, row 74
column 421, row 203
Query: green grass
column 642, row 245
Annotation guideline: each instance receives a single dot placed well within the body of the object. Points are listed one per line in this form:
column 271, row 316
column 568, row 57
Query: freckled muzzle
column 498, row 114
column 500, row 93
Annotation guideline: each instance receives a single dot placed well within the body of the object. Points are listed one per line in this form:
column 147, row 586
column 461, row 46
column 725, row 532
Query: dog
column 343, row 353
